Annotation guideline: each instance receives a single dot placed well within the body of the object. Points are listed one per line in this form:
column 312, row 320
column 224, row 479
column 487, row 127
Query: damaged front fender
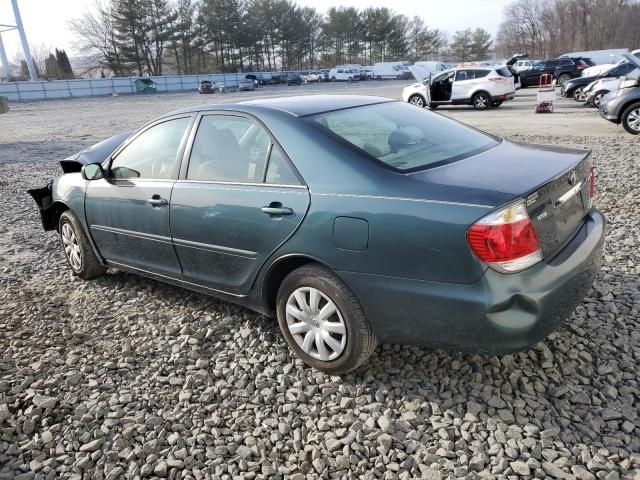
column 48, row 209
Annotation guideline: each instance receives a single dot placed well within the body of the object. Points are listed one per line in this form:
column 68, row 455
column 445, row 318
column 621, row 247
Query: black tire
column 433, row 107
column 562, row 79
column 597, row 98
column 417, row 100
column 360, row 338
column 89, row 266
column 481, row 101
column 577, row 94
column 497, row 103
column 632, row 111
column 333, row 79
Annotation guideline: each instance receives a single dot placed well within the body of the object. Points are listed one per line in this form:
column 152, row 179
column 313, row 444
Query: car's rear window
column 504, row 72
column 403, row 136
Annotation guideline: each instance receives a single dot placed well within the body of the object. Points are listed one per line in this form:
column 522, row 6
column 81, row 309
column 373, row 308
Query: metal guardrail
column 57, row 89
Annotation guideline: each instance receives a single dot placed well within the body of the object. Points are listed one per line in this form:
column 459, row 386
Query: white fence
column 43, row 90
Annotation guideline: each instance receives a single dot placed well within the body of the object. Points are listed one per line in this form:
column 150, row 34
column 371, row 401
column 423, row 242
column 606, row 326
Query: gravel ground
column 124, row 377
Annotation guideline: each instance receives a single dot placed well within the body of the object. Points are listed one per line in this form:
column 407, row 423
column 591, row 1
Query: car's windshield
column 403, row 136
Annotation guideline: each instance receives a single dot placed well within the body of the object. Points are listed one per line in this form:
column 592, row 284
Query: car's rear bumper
column 498, row 314
column 502, row 97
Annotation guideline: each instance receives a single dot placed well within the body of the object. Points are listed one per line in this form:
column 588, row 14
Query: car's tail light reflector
column 498, row 79
column 506, row 239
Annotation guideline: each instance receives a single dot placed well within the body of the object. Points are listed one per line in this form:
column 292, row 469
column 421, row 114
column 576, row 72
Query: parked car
column 294, row 207
column 531, row 77
column 294, row 78
column 480, row 87
column 595, row 91
column 342, row 74
column 623, row 105
column 366, row 73
column 522, row 65
column 313, row 77
column 575, row 87
column 599, row 69
column 246, row 85
column 391, row 71
column 206, row 87
column 564, row 73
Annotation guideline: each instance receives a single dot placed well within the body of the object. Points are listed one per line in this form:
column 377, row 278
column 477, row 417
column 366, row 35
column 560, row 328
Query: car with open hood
column 622, row 106
column 351, row 219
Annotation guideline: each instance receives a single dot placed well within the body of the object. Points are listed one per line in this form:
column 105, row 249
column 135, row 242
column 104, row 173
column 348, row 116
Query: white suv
column 482, row 87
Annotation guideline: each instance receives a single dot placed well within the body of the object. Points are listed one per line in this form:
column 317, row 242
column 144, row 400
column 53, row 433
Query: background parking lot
column 147, row 379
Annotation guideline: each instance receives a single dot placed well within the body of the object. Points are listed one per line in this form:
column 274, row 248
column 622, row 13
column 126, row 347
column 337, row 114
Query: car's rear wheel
column 597, row 98
column 578, row 94
column 481, row 101
column 322, row 321
column 417, row 100
column 564, row 78
column 77, row 249
column 631, row 119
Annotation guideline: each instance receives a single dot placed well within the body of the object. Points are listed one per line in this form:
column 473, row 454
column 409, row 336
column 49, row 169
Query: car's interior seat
column 216, row 155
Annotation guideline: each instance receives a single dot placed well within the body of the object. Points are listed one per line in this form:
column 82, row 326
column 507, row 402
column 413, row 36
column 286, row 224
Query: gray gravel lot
column 125, row 377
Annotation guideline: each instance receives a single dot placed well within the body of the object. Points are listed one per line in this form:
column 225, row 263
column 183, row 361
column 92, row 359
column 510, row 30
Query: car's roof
column 297, row 105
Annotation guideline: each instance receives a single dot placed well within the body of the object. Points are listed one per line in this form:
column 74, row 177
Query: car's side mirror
column 92, row 171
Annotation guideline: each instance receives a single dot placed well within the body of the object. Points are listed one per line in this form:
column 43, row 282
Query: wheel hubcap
column 71, row 247
column 634, row 119
column 316, row 324
column 417, row 101
column 596, row 101
column 481, row 102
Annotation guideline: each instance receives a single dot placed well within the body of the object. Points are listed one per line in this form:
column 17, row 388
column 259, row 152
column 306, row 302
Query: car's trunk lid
column 554, row 181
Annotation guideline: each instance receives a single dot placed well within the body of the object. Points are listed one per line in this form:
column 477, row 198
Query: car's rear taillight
column 506, row 240
column 497, row 79
column 592, row 183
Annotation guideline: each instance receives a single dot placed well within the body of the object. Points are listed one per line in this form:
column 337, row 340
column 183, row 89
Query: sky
column 46, row 21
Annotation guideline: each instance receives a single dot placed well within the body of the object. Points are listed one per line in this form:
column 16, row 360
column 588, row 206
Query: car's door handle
column 156, row 201
column 276, row 209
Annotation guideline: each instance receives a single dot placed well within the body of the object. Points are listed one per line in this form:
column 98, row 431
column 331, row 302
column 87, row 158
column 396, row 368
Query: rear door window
column 504, row 72
column 402, row 136
column 480, row 73
column 462, row 75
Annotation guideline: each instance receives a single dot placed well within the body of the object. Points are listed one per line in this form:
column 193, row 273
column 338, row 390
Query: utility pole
column 4, row 61
column 23, row 39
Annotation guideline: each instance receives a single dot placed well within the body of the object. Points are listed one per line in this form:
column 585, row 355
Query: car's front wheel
column 597, row 98
column 578, row 94
column 631, row 119
column 322, row 320
column 77, row 249
column 481, row 101
column 416, row 100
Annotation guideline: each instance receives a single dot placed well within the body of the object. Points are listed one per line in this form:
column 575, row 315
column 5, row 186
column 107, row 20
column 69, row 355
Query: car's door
column 463, row 84
column 237, row 200
column 441, row 87
column 128, row 211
